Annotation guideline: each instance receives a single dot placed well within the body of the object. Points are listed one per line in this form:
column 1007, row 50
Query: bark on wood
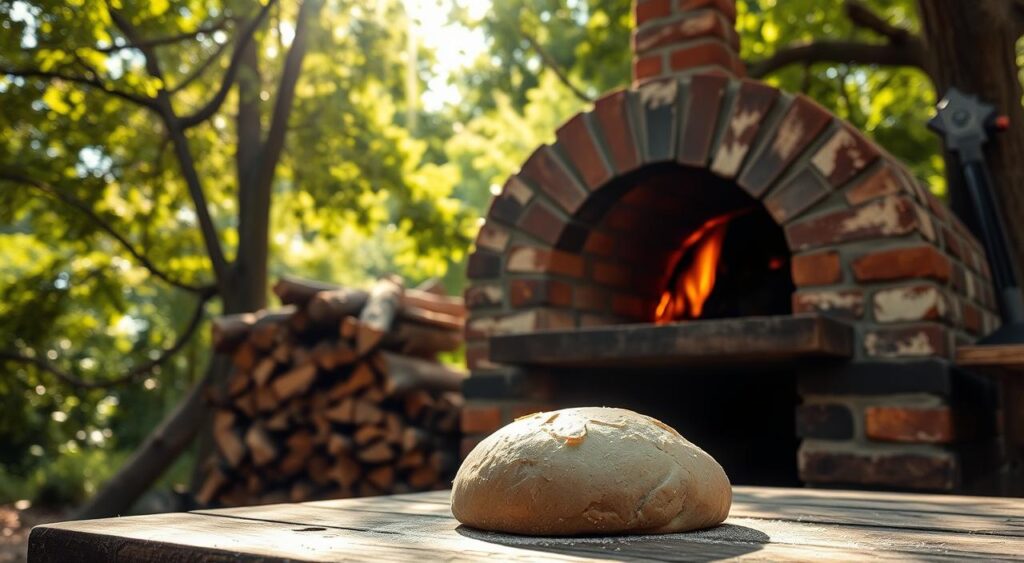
column 405, row 374
column 298, row 291
column 377, row 316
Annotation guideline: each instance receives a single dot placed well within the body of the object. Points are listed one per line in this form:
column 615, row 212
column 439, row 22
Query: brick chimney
column 680, row 37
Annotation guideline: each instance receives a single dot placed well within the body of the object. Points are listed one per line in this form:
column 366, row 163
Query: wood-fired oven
column 740, row 262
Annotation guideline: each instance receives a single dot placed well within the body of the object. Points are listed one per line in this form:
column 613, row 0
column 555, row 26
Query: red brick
column 954, row 244
column 753, row 102
column 492, row 237
column 844, row 303
column 588, row 320
column 883, row 182
column 726, row 7
column 647, row 67
column 919, row 302
column 913, row 341
column 624, row 218
column 843, row 155
column 529, row 259
column 972, row 318
column 483, row 295
column 525, row 293
column 477, row 418
column 903, row 263
column 882, row 218
column 550, row 176
column 612, row 114
column 600, row 244
column 507, row 206
column 820, row 268
column 647, row 10
column 803, row 121
column 630, row 306
column 908, row 424
column 483, row 264
column 705, row 100
column 543, row 222
column 610, row 273
column 923, row 471
column 577, row 142
column 824, row 421
column 591, row 298
column 937, row 207
column 800, row 193
column 467, row 444
column 702, row 24
column 710, row 53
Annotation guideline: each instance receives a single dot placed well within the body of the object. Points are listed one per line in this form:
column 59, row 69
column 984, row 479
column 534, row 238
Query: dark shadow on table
column 721, row 542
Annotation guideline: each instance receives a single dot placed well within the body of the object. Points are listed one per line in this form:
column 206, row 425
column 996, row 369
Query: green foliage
column 356, row 194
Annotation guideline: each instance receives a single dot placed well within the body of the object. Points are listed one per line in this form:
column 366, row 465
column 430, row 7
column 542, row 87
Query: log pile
column 338, row 393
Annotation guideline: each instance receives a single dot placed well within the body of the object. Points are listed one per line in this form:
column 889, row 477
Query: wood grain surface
column 765, row 524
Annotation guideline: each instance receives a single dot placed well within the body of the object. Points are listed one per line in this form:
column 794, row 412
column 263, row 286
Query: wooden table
column 765, row 523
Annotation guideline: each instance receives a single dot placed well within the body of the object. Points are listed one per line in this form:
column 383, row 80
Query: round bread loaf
column 589, row 470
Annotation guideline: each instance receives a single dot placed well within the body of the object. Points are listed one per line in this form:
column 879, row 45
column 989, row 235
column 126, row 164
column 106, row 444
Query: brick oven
column 741, row 263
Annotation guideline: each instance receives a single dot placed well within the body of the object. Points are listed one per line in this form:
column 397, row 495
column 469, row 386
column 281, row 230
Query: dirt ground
column 15, row 525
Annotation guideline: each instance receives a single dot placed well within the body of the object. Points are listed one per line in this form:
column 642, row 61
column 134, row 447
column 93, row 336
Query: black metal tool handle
column 964, row 123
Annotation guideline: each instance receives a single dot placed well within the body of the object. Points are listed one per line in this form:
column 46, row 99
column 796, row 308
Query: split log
column 228, row 331
column 422, row 340
column 329, row 307
column 260, row 445
column 432, row 286
column 382, row 477
column 366, row 434
column 405, row 374
column 435, row 303
column 263, row 371
column 377, row 316
column 361, row 377
column 417, row 403
column 339, row 445
column 230, row 445
column 345, row 472
column 378, row 452
column 344, row 412
column 295, row 381
column 215, row 479
column 433, row 318
column 367, row 412
column 298, row 291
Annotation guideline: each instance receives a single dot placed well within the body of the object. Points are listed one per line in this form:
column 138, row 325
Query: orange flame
column 690, row 288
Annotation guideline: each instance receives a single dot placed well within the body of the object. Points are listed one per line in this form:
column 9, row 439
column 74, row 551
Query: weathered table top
column 765, row 523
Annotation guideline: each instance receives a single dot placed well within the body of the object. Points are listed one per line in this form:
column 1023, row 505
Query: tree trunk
column 156, row 454
column 972, row 46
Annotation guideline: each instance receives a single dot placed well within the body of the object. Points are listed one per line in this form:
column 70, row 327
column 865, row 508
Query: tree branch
column 140, row 44
column 142, row 369
column 211, row 107
column 272, row 147
column 199, row 70
column 903, row 48
column 553, row 66
column 83, row 80
column 203, row 290
column 862, row 16
column 176, row 132
column 849, row 52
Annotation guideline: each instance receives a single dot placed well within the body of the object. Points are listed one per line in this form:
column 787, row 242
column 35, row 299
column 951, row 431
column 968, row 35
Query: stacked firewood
column 338, row 393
